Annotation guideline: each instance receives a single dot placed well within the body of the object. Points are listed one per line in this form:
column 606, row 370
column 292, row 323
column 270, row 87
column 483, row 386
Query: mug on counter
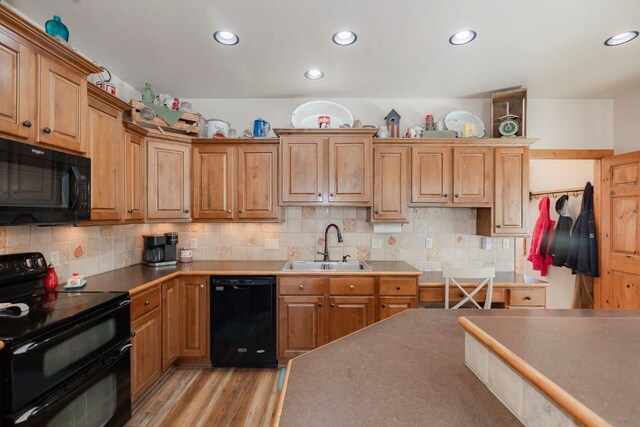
column 186, row 255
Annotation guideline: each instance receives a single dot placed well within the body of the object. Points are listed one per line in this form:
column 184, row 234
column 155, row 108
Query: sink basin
column 326, row 266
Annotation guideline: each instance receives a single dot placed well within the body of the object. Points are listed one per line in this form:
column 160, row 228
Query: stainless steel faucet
column 325, row 254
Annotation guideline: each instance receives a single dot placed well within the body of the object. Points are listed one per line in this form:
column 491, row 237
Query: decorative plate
column 306, row 115
column 456, row 119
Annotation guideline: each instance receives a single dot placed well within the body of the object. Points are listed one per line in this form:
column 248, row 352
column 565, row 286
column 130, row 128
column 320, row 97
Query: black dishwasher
column 243, row 321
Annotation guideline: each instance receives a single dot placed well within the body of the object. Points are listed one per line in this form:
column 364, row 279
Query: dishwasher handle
column 241, row 287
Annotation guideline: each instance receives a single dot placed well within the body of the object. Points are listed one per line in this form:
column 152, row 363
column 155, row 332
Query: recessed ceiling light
column 314, row 74
column 226, row 37
column 621, row 38
column 462, row 37
column 344, row 38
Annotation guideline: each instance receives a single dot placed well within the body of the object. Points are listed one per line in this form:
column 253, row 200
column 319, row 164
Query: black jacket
column 559, row 248
column 583, row 247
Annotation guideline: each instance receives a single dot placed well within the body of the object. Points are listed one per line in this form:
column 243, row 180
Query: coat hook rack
column 575, row 192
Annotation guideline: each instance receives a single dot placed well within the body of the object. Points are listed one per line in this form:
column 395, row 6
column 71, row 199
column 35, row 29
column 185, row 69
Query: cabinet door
column 63, row 106
column 213, row 182
column 472, row 175
column 511, row 191
column 300, row 324
column 394, row 305
column 258, row 182
column 430, row 175
column 106, row 149
column 350, row 164
column 169, row 323
column 303, row 179
column 146, row 362
column 348, row 314
column 14, row 90
column 193, row 331
column 135, row 176
column 168, row 180
column 390, row 183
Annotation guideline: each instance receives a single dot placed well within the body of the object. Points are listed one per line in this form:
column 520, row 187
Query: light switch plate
column 428, row 243
column 272, row 243
column 194, row 243
column 506, row 243
column 486, row 243
column 376, row 243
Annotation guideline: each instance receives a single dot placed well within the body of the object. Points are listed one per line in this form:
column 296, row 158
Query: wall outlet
column 272, row 243
column 428, row 243
column 486, row 243
column 376, row 243
column 54, row 258
column 506, row 243
column 194, row 243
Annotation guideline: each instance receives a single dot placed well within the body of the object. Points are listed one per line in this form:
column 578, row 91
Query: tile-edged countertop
column 593, row 360
column 503, row 279
column 406, row 370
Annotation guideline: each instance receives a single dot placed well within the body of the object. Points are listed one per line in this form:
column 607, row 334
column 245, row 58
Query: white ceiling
column 553, row 47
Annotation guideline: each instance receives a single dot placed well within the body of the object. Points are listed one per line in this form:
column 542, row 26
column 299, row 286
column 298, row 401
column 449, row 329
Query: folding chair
column 482, row 276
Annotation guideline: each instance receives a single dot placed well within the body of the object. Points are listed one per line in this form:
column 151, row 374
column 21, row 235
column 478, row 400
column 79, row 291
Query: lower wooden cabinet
column 394, row 305
column 146, row 353
column 349, row 314
column 300, row 324
column 193, row 318
column 170, row 323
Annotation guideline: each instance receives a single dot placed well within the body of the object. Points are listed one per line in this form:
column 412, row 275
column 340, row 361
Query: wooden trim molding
column 326, row 132
column 99, row 94
column 135, row 129
column 570, row 404
column 570, row 154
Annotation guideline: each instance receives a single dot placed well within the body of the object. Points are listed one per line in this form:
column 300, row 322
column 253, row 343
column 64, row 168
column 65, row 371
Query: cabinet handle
column 186, row 211
column 333, row 305
column 202, row 286
column 457, row 196
column 352, row 287
column 446, row 195
column 319, row 304
column 133, row 334
column 330, row 194
column 300, row 286
column 460, row 294
column 319, row 194
column 47, row 130
column 130, row 210
column 383, row 306
column 26, row 123
column 528, row 298
column 241, row 210
column 397, row 288
column 229, row 211
column 376, row 212
column 498, row 226
column 147, row 302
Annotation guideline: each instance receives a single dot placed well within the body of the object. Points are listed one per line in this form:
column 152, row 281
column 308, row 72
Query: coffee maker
column 160, row 249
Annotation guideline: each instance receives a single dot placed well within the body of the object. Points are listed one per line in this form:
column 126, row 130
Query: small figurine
column 415, row 132
column 393, row 124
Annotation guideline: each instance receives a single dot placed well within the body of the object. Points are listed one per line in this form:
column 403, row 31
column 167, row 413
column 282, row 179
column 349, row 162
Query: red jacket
column 541, row 239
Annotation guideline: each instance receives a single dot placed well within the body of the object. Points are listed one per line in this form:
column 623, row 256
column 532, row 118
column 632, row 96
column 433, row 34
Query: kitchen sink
column 326, row 266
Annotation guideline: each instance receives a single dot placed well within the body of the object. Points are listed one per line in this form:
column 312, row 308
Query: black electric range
column 66, row 355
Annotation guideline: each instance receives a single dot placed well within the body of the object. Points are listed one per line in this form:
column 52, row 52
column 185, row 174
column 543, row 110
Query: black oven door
column 38, row 365
column 99, row 396
column 39, row 185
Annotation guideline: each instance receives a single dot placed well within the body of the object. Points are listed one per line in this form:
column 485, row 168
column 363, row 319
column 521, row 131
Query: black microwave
column 42, row 186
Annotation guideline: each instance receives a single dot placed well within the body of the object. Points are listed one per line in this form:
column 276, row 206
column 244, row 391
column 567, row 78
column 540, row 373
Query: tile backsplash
column 96, row 249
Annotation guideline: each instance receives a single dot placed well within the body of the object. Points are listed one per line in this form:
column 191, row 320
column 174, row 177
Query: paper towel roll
column 392, row 227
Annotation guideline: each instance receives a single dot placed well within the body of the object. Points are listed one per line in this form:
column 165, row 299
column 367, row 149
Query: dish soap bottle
column 51, row 279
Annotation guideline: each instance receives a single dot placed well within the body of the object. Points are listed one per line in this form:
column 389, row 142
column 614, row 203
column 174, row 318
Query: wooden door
column 106, row 149
column 394, row 305
column 135, row 176
column 350, row 170
column 430, row 175
column 63, row 106
column 303, row 175
column 146, row 361
column 511, row 202
column 390, row 181
column 300, row 324
column 168, row 180
column 473, row 175
column 15, row 88
column 169, row 323
column 213, row 196
column 348, row 314
column 621, row 232
column 193, row 331
column 258, row 182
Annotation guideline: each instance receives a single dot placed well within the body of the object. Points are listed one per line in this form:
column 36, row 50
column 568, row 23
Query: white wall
column 558, row 123
column 626, row 109
column 547, row 175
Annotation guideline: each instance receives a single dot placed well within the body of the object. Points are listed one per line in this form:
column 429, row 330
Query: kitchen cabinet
column 451, row 176
column 193, row 319
column 170, row 323
column 135, row 177
column 396, row 295
column 390, row 184
column 107, row 150
column 527, row 298
column 394, row 305
column 236, row 182
column 326, row 167
column 168, row 177
column 15, row 97
column 509, row 215
column 351, row 305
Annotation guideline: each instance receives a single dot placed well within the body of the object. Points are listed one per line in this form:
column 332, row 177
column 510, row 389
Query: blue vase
column 55, row 28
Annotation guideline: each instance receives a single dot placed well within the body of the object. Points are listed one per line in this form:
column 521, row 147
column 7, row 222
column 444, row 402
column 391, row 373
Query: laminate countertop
column 407, row 370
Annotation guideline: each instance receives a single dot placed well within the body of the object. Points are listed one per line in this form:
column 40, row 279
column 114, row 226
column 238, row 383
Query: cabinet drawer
column 301, row 286
column 351, row 286
column 397, row 286
column 437, row 295
column 527, row 297
column 145, row 302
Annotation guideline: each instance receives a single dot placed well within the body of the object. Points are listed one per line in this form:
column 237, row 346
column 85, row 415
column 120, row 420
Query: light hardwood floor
column 209, row 397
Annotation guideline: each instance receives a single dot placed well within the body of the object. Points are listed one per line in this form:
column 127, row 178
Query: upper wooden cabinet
column 236, row 182
column 326, row 167
column 15, row 119
column 451, row 176
column 390, row 183
column 168, row 178
column 135, row 177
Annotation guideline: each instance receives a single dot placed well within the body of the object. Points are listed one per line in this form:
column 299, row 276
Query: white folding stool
column 484, row 275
